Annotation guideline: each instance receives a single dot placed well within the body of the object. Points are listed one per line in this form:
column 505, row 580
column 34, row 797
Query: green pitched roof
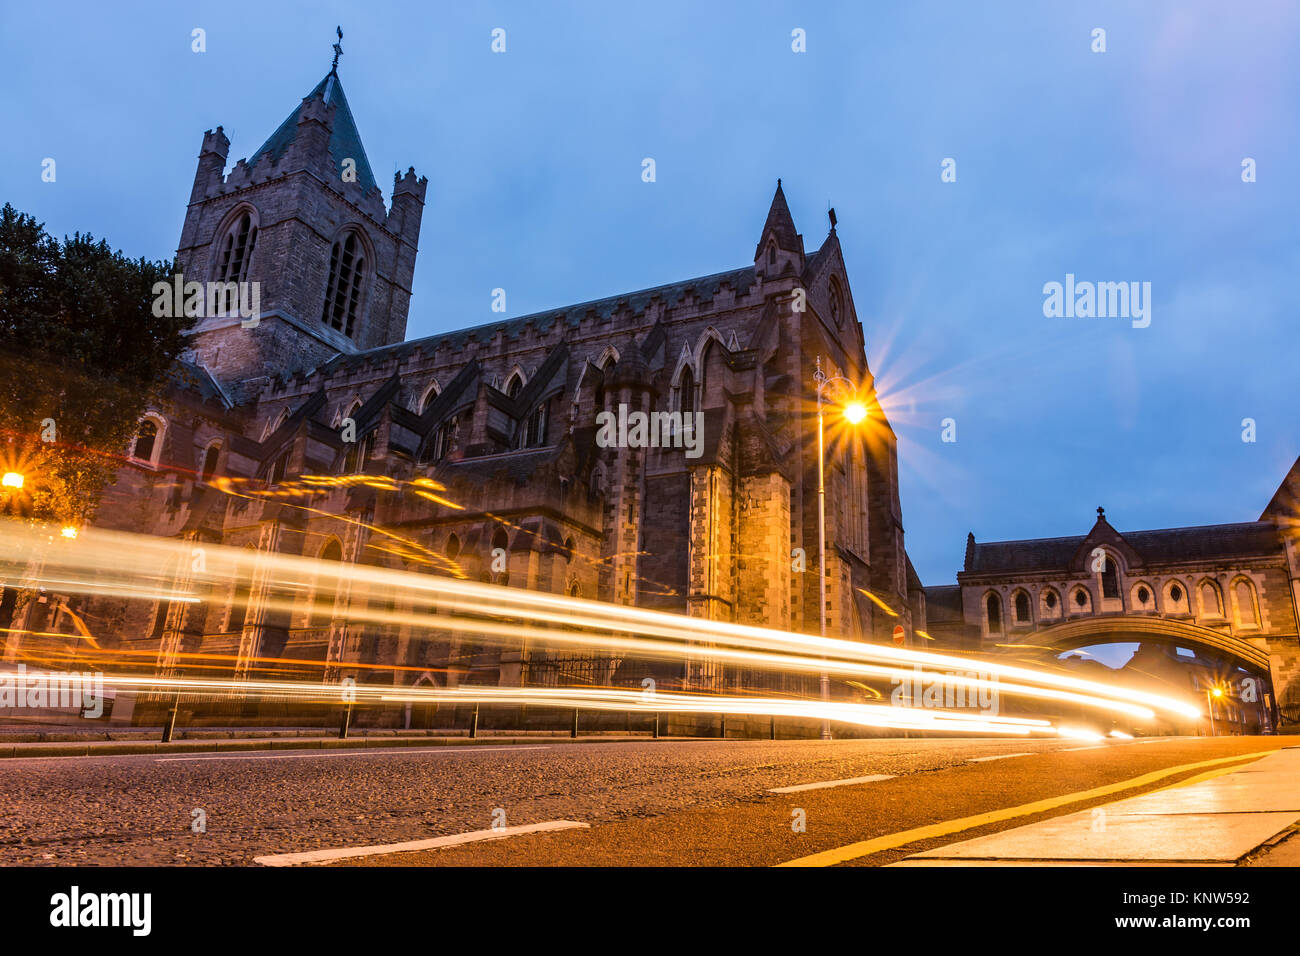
column 345, row 141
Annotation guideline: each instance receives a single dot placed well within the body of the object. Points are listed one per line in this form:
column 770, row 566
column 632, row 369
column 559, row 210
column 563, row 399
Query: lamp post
column 854, row 412
column 1210, row 693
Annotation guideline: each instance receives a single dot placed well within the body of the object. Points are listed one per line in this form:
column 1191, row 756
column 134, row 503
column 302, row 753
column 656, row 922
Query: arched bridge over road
column 1274, row 659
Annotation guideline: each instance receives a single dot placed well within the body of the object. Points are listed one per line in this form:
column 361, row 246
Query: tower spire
column 779, row 233
column 338, row 50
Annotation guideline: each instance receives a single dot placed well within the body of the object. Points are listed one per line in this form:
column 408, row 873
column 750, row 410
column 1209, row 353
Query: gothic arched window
column 606, row 370
column 357, row 454
column 209, row 467
column 237, row 249
column 1022, row 608
column 686, row 392
column 1243, row 596
column 240, row 594
column 1109, row 579
column 347, row 275
column 234, row 251
column 429, row 396
column 441, row 443
column 279, row 468
column 533, row 431
column 514, row 384
column 145, row 439
column 500, row 540
column 1211, row 605
column 322, row 610
column 994, row 606
column 148, row 440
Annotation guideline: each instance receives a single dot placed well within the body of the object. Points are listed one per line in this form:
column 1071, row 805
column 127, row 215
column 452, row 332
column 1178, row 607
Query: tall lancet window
column 686, row 393
column 1109, row 579
column 343, row 294
column 234, row 254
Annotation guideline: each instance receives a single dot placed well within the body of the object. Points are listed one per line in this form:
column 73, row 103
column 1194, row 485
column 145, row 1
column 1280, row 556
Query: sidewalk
column 1216, row 819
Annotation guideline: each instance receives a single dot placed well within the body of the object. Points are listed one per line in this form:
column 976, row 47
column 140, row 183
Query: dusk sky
column 1117, row 166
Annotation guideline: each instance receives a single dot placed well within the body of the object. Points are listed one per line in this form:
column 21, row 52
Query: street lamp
column 854, row 412
column 1210, row 692
column 12, row 479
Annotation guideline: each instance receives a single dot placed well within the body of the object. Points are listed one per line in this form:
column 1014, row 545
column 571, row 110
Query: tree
column 81, row 356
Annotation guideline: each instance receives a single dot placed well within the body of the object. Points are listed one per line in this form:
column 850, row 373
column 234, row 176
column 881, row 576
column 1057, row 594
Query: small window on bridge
column 1109, row 579
column 995, row 614
column 1210, row 606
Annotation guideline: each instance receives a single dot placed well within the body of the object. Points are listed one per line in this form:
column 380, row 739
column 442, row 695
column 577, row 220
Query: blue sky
column 1115, row 166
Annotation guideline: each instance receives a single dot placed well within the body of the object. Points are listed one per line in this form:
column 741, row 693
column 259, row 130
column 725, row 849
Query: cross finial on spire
column 338, row 50
column 1101, row 512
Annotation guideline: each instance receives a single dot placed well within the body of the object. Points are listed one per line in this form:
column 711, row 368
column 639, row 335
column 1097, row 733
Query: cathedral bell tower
column 304, row 220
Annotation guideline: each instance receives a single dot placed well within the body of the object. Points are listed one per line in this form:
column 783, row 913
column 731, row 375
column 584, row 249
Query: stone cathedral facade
column 502, row 417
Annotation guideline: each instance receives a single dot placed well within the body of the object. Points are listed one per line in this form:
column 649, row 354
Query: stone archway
column 1257, row 655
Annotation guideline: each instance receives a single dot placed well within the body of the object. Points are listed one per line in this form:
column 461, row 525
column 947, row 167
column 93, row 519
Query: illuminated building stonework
column 270, row 428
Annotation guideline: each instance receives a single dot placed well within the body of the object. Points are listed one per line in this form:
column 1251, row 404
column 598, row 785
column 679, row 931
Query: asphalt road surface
column 668, row 802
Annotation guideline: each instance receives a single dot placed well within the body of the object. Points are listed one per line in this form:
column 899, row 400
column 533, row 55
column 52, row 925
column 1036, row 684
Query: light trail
column 100, row 561
column 644, row 647
column 865, row 715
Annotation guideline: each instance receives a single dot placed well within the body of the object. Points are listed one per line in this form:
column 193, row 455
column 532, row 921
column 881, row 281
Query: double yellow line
column 863, row 848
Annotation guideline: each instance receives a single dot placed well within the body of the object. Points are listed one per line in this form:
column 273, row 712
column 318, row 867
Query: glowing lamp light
column 855, row 412
column 1217, row 692
column 12, row 479
column 69, row 532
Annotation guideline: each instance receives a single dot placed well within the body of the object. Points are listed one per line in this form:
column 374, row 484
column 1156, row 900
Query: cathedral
column 508, row 453
column 502, row 420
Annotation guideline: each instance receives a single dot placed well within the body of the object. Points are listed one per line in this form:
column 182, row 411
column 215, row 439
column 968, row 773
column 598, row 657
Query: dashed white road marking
column 456, row 839
column 998, row 757
column 351, row 753
column 834, row 783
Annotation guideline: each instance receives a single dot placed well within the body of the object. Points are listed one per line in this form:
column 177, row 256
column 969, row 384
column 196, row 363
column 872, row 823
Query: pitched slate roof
column 197, row 378
column 1210, row 541
column 1154, row 547
column 345, row 140
column 703, row 287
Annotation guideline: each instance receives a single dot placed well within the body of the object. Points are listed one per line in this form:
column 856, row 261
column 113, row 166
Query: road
column 696, row 802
